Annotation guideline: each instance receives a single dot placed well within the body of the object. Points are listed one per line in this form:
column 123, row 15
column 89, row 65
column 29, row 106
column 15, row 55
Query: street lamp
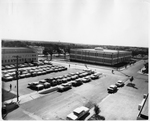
column 17, row 77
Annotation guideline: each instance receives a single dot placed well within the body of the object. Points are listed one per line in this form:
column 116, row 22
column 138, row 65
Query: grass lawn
column 6, row 95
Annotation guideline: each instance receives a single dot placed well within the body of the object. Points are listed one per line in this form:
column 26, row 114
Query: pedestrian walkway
column 31, row 96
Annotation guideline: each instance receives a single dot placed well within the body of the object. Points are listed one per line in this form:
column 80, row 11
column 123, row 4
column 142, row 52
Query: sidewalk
column 31, row 96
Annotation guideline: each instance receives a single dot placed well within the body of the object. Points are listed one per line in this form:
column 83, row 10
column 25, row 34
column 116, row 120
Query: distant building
column 25, row 54
column 100, row 56
column 38, row 49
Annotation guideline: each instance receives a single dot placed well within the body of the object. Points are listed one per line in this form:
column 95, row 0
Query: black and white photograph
column 75, row 59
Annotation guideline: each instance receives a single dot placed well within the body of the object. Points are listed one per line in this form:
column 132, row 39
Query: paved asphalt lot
column 122, row 105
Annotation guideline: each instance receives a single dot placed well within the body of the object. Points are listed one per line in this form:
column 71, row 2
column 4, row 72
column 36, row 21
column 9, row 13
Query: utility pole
column 17, row 77
column 118, row 57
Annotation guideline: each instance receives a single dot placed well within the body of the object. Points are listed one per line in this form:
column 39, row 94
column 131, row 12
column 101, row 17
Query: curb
column 48, row 90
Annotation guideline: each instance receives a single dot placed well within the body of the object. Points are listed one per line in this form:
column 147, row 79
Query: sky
column 102, row 22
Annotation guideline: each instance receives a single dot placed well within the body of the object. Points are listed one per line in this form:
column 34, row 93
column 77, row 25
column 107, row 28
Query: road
column 121, row 105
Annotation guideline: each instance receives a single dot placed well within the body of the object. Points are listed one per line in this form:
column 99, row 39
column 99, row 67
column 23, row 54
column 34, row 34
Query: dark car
column 68, row 78
column 36, row 86
column 33, row 84
column 64, row 80
column 119, row 83
column 46, row 85
column 54, row 82
column 33, row 73
column 77, row 82
column 8, row 78
column 49, row 80
column 59, row 81
column 22, row 76
column 112, row 88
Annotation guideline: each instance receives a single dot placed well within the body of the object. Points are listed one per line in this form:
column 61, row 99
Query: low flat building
column 100, row 56
column 25, row 55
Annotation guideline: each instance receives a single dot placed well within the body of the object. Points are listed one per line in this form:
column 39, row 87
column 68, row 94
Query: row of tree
column 56, row 49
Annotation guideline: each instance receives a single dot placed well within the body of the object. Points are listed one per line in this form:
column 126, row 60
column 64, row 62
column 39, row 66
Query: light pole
column 17, row 77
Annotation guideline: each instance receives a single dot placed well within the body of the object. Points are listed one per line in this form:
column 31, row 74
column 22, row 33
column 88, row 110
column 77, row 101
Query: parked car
column 39, row 87
column 112, row 88
column 12, row 66
column 119, row 83
column 77, row 82
column 3, row 67
column 33, row 85
column 78, row 113
column 64, row 87
column 59, row 81
column 42, row 81
column 46, row 85
column 49, row 80
column 54, row 82
column 33, row 73
column 7, row 67
column 74, row 77
column 98, row 74
column 68, row 78
column 64, row 80
column 94, row 76
column 8, row 78
column 22, row 76
column 86, row 79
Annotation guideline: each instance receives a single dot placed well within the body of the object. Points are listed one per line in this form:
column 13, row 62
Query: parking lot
column 59, row 104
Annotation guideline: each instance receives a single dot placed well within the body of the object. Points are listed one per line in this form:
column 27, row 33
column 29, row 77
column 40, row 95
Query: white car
column 112, row 88
column 78, row 113
column 119, row 83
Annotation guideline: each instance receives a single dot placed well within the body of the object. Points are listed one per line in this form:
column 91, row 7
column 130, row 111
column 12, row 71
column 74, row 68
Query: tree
column 48, row 51
column 96, row 110
column 66, row 49
column 131, row 79
column 96, row 116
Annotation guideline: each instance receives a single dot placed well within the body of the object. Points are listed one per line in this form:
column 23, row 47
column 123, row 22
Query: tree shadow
column 8, row 107
column 131, row 85
column 96, row 117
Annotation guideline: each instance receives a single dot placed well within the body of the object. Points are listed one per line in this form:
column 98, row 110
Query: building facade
column 25, row 55
column 100, row 56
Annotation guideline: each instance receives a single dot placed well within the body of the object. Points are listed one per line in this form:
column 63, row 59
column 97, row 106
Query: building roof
column 103, row 51
column 5, row 49
column 15, row 48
